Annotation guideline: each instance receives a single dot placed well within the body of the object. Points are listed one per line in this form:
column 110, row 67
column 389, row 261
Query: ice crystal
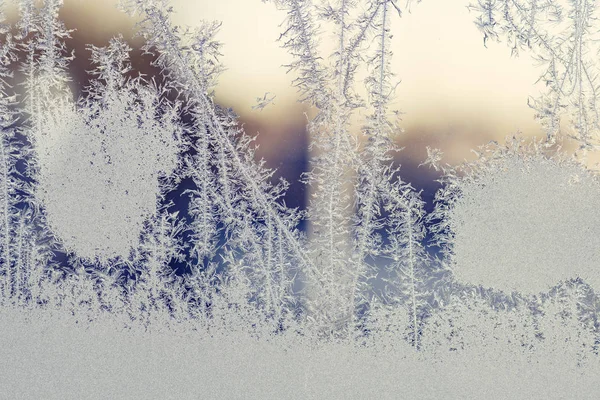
column 139, row 211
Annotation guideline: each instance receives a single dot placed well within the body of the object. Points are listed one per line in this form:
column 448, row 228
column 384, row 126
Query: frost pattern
column 339, row 285
column 100, row 160
column 516, row 220
column 91, row 237
column 562, row 36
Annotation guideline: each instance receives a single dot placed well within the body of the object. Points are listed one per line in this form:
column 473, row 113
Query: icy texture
column 523, row 222
column 68, row 362
column 562, row 36
column 100, row 161
column 222, row 295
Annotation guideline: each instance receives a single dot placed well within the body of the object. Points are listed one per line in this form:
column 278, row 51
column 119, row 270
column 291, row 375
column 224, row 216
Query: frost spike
column 163, row 37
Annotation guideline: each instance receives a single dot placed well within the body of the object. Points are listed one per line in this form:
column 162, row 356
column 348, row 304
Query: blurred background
column 455, row 94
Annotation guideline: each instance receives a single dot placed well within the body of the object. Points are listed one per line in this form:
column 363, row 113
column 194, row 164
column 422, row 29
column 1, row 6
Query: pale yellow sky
column 455, row 93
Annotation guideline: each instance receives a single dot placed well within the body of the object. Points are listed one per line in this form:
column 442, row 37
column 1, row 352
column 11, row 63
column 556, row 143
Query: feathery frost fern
column 562, row 36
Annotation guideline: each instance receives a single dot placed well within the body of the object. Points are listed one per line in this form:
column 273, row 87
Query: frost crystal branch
column 562, row 37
